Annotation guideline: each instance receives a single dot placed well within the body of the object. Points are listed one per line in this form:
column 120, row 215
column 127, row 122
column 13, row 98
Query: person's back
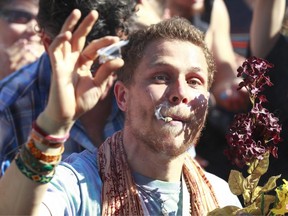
column 19, row 40
column 24, row 94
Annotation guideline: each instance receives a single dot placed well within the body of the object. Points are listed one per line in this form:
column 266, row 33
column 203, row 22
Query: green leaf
column 268, row 200
column 256, row 193
column 271, row 184
column 249, row 187
column 251, row 182
column 235, row 182
column 259, row 167
column 227, row 210
column 252, row 209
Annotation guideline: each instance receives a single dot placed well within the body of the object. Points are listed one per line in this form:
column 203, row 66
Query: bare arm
column 266, row 25
column 73, row 92
column 221, row 44
column 225, row 81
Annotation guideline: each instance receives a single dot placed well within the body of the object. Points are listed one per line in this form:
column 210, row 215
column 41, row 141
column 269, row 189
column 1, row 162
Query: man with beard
column 145, row 168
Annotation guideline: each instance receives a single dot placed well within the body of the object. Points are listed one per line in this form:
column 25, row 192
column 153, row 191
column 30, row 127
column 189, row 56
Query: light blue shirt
column 76, row 189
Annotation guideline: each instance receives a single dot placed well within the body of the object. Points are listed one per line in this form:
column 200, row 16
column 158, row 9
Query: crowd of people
column 142, row 133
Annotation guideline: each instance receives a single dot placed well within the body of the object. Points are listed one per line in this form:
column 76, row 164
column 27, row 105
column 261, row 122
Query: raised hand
column 74, row 90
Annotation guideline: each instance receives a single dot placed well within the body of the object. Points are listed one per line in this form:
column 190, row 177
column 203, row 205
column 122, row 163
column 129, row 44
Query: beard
column 167, row 139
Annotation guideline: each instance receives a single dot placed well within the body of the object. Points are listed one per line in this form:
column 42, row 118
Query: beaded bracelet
column 30, row 145
column 34, row 164
column 43, row 179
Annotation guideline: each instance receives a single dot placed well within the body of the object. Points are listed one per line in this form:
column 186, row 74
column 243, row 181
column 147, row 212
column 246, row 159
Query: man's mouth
column 168, row 117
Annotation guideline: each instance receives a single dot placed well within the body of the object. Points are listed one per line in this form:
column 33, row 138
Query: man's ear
column 121, row 94
column 46, row 40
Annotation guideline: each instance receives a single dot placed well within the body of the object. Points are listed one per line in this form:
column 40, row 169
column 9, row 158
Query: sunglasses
column 16, row 16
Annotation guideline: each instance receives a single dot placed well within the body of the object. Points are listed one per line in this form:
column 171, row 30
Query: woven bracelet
column 34, row 164
column 30, row 145
column 43, row 179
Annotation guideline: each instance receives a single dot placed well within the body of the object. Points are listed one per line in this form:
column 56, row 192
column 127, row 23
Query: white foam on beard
column 159, row 115
column 165, row 104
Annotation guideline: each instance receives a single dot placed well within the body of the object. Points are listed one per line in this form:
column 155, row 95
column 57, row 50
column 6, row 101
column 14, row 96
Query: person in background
column 143, row 169
column 20, row 43
column 24, row 94
column 266, row 41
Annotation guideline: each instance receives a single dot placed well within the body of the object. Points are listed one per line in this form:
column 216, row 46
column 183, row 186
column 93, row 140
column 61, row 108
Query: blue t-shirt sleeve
column 76, row 187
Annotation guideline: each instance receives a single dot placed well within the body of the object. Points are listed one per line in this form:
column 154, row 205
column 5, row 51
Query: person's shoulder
column 76, row 185
column 22, row 81
column 85, row 160
column 222, row 191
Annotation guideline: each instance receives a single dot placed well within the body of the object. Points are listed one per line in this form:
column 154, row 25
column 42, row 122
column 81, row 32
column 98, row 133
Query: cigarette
column 111, row 52
column 160, row 116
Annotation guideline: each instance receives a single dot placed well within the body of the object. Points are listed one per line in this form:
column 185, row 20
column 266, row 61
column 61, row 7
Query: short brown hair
column 174, row 28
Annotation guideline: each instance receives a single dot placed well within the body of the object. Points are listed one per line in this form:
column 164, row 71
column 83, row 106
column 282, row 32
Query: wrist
column 46, row 125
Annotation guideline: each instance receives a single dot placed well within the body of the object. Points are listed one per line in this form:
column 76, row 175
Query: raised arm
column 266, row 24
column 225, row 82
column 73, row 91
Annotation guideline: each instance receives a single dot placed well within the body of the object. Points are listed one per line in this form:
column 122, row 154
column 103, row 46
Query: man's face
column 172, row 79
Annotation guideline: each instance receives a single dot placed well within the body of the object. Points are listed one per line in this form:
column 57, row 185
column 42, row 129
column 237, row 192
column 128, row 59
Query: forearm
column 25, row 182
column 266, row 25
column 20, row 195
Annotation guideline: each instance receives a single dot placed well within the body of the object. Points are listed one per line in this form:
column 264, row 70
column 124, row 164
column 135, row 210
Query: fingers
column 90, row 52
column 106, row 70
column 79, row 36
column 61, row 43
column 71, row 21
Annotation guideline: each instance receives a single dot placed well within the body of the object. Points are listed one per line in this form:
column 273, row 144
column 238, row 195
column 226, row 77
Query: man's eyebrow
column 159, row 63
column 196, row 69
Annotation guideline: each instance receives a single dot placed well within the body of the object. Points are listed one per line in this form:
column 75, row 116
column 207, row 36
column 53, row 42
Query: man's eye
column 161, row 78
column 194, row 82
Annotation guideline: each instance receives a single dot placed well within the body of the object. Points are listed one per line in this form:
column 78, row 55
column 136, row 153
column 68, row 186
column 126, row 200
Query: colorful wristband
column 34, row 164
column 43, row 179
column 47, row 137
column 39, row 155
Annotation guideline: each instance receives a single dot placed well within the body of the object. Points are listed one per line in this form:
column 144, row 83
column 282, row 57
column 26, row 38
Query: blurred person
column 143, row 169
column 24, row 94
column 240, row 13
column 148, row 12
column 20, row 43
column 267, row 41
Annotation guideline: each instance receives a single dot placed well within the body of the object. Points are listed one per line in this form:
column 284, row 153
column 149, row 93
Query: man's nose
column 179, row 92
column 31, row 26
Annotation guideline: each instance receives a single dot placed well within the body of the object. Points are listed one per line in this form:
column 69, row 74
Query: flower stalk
column 252, row 138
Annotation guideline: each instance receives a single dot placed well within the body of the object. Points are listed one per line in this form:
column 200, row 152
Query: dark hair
column 172, row 29
column 114, row 15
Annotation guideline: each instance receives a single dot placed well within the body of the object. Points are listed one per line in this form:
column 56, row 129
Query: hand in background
column 228, row 97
